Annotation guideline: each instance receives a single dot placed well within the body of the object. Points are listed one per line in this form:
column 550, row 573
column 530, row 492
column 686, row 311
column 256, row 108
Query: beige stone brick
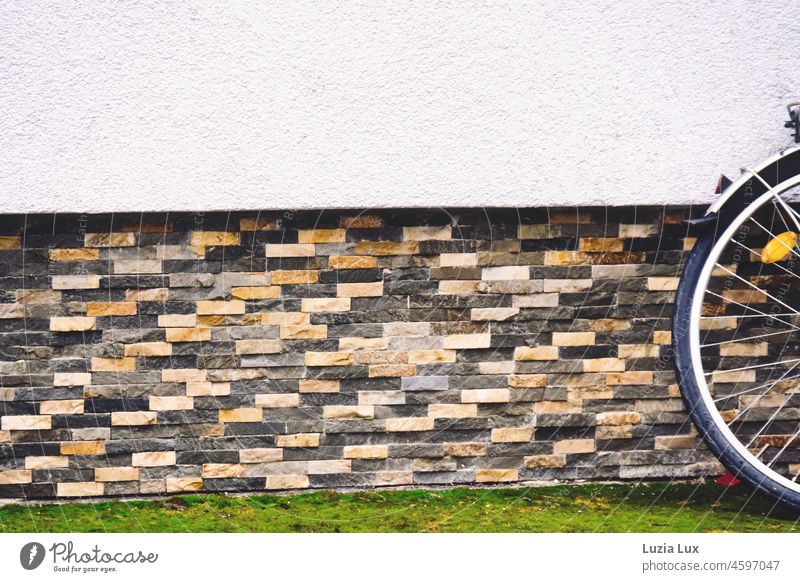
column 183, row 375
column 26, row 422
column 61, row 407
column 270, row 292
column 290, row 250
column 330, row 358
column 148, row 349
column 72, row 323
column 737, row 377
column 466, row 449
column 486, row 395
column 381, row 397
column 325, row 304
column 604, row 365
column 458, row 259
column 258, row 346
column 72, row 379
column 188, row 334
column 512, row 434
column 113, row 364
column 294, row 277
column 452, row 410
column 158, row 294
column 232, row 307
column 538, row 353
column 557, row 407
column 427, row 232
column 349, row 344
column 71, row 255
column 632, row 378
column 178, row 320
column 322, row 235
column 347, row 412
column 458, row 287
column 241, row 415
column 263, row 455
column 574, row 446
column 76, row 282
column 223, row 470
column 171, row 403
column 133, row 418
column 744, row 350
column 431, row 356
column 637, row 230
column 535, row 301
column 201, row 388
column 352, row 262
column 137, row 267
column 366, row 452
column 662, row 283
column 12, row 311
column 109, row 239
column 545, row 461
column 527, row 380
column 47, row 462
column 616, row 418
column 573, row 338
column 15, row 477
column 83, row 448
column 153, row 459
column 567, row 285
column 386, row 248
column 111, row 474
column 392, row 370
column 496, row 368
column 360, row 289
column 304, row 331
column 467, row 341
column 308, row 386
column 287, row 482
column 608, row 324
column 675, row 442
column 277, row 400
column 300, row 440
column 508, row 273
column 84, row 489
column 636, row 351
column 662, row 337
column 496, row 475
column 409, row 424
column 184, row 484
column 285, row 318
column 493, row 313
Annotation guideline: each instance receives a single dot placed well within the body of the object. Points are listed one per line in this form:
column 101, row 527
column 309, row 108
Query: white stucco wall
column 232, row 105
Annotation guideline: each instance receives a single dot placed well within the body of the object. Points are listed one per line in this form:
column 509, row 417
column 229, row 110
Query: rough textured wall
column 144, row 354
column 246, row 105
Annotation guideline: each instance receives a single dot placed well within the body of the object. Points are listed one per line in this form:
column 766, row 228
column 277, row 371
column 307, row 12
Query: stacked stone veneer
column 153, row 354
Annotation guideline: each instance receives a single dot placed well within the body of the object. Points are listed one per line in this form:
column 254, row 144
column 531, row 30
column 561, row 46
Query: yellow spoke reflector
column 779, row 247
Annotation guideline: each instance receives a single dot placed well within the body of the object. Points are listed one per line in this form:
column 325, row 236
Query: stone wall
column 151, row 354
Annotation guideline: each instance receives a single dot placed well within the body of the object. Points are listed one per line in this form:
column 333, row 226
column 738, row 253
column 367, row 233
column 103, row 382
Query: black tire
column 714, row 438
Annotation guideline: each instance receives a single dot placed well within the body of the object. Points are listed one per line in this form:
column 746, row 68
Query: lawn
column 657, row 507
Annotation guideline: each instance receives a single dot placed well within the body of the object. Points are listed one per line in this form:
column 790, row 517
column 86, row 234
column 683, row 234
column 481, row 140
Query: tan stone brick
column 493, row 313
column 608, row 432
column 496, row 475
column 258, row 346
column 308, row 386
column 304, row 331
column 259, row 223
column 26, row 422
column 608, row 324
column 201, row 388
column 202, row 239
column 633, row 378
column 294, row 277
column 171, row 403
column 574, row 446
column 15, row 477
column 10, row 242
column 72, row 323
column 232, row 307
column 360, row 221
column 675, row 442
column 567, row 285
column 153, row 459
column 290, row 250
column 431, row 356
column 392, row 370
column 84, row 489
column 415, row 424
column 427, row 232
column 177, row 320
column 352, row 262
column 325, row 304
column 349, row 344
column 111, row 474
column 12, row 311
column 61, row 407
column 537, row 300
column 183, row 484
column 83, row 448
column 188, row 334
column 113, row 364
column 263, row 455
column 277, row 400
column 360, row 289
column 300, row 440
column 545, row 461
column 744, row 349
column 70, row 255
column 71, row 379
column 179, row 375
column 330, row 358
column 458, row 260
column 270, row 292
column 538, row 353
column 285, row 318
column 223, row 470
column 573, row 338
column 662, row 283
column 732, row 377
column 512, row 435
column 133, row 418
column 158, row 294
column 148, row 349
column 322, row 235
column 386, row 248
column 604, row 365
column 109, row 239
column 109, row 308
column 636, row 351
column 662, row 337
column 527, row 380
column 637, row 230
column 76, row 282
column 366, row 452
column 486, row 395
column 287, row 482
column 600, row 245
column 452, row 410
column 466, row 449
column 346, row 412
column 458, row 287
column 241, row 415
column 616, row 418
column 468, row 341
column 47, row 462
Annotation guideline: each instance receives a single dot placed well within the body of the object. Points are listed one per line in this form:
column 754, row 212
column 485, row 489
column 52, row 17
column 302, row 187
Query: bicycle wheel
column 736, row 339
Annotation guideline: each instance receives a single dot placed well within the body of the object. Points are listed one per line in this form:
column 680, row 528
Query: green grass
column 576, row 508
